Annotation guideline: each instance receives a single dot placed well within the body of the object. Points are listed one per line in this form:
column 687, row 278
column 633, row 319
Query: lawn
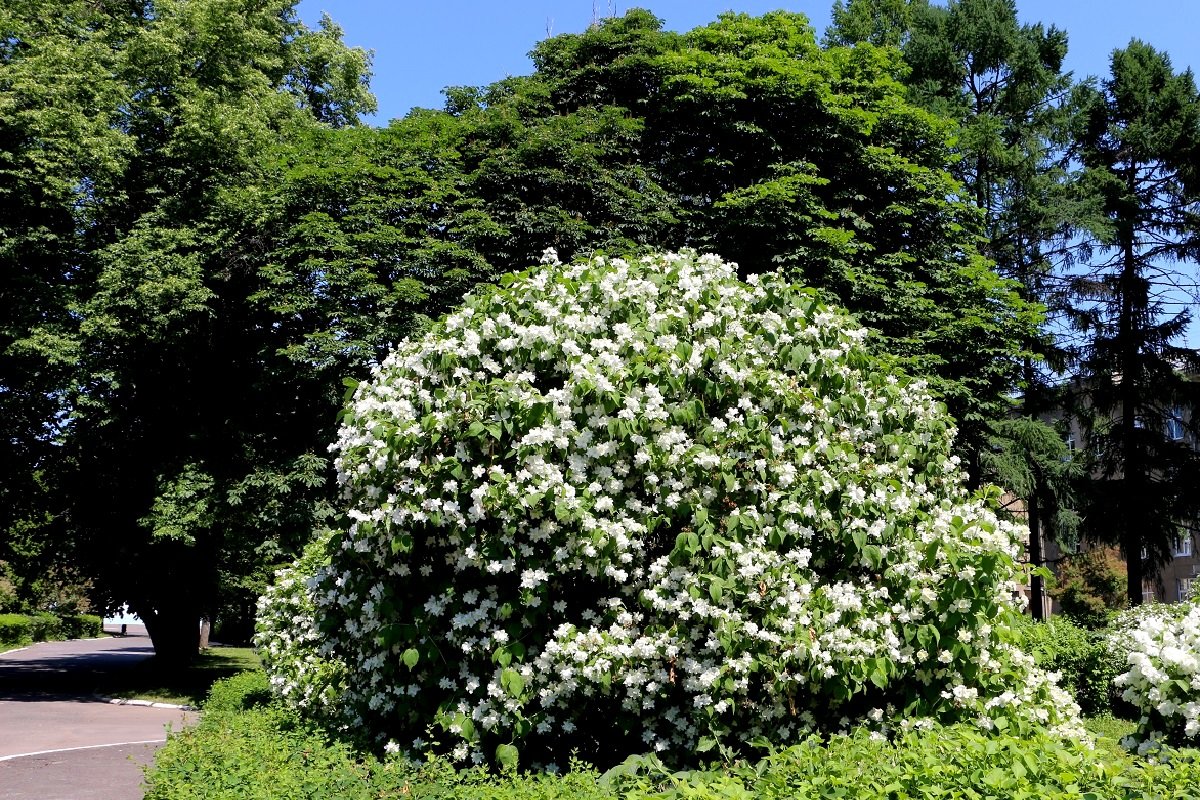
column 153, row 681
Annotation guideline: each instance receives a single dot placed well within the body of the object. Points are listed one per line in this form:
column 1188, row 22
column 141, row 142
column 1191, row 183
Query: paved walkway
column 58, row 741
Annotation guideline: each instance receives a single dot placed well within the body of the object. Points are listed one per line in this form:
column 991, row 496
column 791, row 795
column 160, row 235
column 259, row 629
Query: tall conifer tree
column 1140, row 144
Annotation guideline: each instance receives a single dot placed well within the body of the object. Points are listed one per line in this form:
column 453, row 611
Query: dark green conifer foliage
column 974, row 61
column 883, row 23
column 1139, row 136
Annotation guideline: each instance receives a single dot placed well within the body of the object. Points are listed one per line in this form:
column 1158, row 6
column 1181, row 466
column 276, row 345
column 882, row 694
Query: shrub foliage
column 1082, row 657
column 1092, row 585
column 618, row 506
column 23, row 629
column 246, row 750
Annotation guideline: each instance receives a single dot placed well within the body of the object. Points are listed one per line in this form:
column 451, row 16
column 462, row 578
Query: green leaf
column 687, row 543
column 512, row 682
column 506, row 756
column 716, row 589
column 928, row 637
column 467, row 726
column 411, row 657
column 859, row 536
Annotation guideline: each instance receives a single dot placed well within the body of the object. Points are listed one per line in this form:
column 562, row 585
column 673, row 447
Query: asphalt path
column 58, row 741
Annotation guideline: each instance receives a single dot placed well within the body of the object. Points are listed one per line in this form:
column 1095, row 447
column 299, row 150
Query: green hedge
column 1083, row 658
column 238, row 693
column 18, row 630
column 15, row 630
column 81, row 626
column 246, row 747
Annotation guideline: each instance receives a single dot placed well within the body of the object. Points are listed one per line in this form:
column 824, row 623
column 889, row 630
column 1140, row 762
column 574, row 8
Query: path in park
column 57, row 740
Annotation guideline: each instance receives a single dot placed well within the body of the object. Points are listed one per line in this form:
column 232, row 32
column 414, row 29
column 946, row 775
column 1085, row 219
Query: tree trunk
column 1131, row 544
column 1129, row 391
column 174, row 631
column 1036, row 590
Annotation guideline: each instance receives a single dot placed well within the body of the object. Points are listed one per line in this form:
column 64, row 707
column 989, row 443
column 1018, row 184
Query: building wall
column 1174, row 580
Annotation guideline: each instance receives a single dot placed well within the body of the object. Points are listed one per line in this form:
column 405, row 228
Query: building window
column 1183, row 587
column 1070, row 441
column 1148, row 593
column 1182, row 546
column 1175, row 424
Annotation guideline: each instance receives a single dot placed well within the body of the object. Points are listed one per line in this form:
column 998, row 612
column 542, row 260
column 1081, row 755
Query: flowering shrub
column 290, row 641
column 612, row 507
column 1162, row 643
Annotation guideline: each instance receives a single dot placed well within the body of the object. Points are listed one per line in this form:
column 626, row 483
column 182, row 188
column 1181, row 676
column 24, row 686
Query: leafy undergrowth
column 246, row 747
column 185, row 685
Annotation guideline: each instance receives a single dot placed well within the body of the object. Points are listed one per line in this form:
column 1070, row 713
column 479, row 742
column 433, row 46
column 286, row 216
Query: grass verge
column 156, row 682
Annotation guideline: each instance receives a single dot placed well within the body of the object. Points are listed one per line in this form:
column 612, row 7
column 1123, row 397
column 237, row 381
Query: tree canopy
column 744, row 137
column 136, row 373
column 199, row 242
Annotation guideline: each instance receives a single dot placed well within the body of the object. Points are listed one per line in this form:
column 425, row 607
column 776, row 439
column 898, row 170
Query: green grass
column 1109, row 727
column 1108, row 732
column 188, row 685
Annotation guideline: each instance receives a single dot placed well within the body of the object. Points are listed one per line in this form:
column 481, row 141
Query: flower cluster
column 289, row 639
column 615, row 506
column 1162, row 644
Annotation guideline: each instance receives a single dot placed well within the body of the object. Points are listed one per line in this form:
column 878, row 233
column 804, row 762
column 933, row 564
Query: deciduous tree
column 133, row 358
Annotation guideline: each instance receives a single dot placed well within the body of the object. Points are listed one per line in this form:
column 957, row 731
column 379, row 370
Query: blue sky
column 421, row 47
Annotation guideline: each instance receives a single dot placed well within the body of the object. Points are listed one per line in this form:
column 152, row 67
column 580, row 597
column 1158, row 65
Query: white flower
column 615, row 484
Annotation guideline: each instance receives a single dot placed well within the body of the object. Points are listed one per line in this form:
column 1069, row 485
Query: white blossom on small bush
column 612, row 507
column 289, row 639
column 1162, row 643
